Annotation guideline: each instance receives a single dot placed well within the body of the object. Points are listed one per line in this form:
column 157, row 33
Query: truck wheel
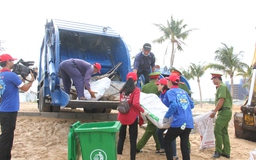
column 107, row 110
column 55, row 108
column 42, row 106
column 238, row 121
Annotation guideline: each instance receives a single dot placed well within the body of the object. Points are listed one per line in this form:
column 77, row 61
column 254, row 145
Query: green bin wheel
column 42, row 106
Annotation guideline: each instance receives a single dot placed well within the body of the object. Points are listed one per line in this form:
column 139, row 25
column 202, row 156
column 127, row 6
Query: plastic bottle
column 183, row 126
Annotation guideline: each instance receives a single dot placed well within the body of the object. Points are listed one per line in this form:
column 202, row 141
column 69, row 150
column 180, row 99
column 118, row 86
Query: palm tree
column 197, row 71
column 175, row 34
column 186, row 73
column 229, row 63
column 247, row 76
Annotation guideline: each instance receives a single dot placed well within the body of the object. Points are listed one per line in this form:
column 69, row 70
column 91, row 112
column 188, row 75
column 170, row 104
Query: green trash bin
column 95, row 141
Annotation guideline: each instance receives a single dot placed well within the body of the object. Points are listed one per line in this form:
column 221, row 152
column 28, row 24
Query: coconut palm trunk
column 200, row 92
column 232, row 86
column 172, row 55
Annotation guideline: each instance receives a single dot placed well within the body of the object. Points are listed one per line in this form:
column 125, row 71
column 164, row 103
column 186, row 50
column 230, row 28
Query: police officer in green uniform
column 182, row 85
column 223, row 105
column 150, row 87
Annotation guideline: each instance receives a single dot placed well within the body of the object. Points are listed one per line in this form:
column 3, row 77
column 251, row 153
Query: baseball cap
column 6, row 57
column 147, row 46
column 174, row 78
column 132, row 75
column 162, row 81
column 98, row 66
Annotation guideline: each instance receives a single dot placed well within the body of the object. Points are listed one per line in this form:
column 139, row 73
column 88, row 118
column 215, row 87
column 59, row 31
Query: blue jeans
column 160, row 136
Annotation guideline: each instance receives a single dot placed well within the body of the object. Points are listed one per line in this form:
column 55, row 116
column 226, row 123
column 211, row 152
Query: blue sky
column 230, row 21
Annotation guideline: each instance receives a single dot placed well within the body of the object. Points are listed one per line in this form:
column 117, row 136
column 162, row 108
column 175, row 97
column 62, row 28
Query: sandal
column 175, row 158
column 160, row 151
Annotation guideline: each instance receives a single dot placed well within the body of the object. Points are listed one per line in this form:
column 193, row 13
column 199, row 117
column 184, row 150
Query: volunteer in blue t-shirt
column 180, row 105
column 10, row 84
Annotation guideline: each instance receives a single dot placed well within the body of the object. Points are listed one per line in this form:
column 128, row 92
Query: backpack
column 123, row 106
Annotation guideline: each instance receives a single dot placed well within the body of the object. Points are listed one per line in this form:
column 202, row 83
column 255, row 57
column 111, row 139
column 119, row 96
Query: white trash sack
column 205, row 126
column 252, row 155
column 156, row 109
column 99, row 86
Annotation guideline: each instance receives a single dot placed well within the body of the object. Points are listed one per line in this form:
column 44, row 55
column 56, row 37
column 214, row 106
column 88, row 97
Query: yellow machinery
column 245, row 122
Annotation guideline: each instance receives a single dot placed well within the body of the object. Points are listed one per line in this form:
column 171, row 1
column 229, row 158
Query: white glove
column 145, row 113
column 165, row 120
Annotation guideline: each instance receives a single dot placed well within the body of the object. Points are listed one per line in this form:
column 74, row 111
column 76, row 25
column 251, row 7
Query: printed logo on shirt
column 183, row 101
column 2, row 87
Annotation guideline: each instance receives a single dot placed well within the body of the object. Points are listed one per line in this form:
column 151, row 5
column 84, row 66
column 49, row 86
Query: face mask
column 144, row 54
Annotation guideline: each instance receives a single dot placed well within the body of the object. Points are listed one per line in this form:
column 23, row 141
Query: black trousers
column 8, row 123
column 145, row 74
column 171, row 135
column 133, row 132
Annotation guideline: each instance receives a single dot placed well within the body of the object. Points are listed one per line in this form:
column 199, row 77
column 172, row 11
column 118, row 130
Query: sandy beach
column 38, row 138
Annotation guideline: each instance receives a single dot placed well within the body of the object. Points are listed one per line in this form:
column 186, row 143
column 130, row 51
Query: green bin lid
column 111, row 126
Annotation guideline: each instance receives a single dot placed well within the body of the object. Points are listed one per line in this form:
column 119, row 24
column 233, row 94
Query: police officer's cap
column 215, row 75
column 154, row 75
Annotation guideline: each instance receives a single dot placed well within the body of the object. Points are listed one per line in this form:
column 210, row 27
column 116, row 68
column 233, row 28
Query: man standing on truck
column 10, row 84
column 223, row 105
column 80, row 72
column 144, row 62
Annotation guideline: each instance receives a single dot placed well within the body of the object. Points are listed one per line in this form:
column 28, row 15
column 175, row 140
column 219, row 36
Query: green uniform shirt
column 223, row 92
column 150, row 87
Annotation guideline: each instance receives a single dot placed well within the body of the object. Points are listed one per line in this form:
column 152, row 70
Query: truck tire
column 55, row 108
column 42, row 106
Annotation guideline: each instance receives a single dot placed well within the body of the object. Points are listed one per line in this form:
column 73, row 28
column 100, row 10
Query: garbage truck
column 93, row 43
column 245, row 121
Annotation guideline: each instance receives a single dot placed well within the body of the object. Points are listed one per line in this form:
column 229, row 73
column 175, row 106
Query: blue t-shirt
column 9, row 92
column 180, row 105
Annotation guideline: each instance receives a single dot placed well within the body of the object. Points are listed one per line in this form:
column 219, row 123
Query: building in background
column 239, row 91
